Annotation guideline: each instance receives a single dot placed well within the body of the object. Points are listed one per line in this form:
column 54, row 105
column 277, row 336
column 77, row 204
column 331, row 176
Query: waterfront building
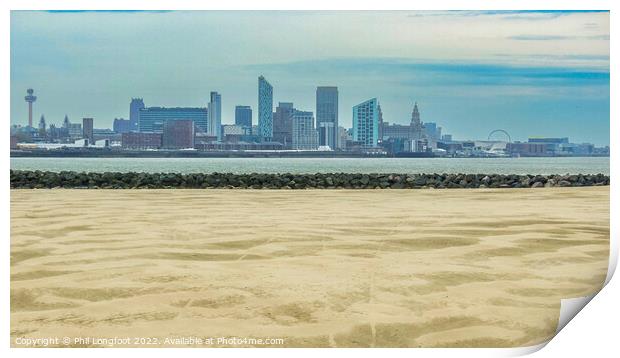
column 417, row 129
column 241, row 145
column 215, row 116
column 327, row 112
column 534, row 149
column 233, row 133
column 87, row 130
column 366, row 123
column 243, row 116
column 265, row 109
column 134, row 113
column 398, row 131
column 232, row 129
column 446, row 138
column 178, row 134
column 65, row 122
column 75, row 130
column 552, row 145
column 326, row 132
column 343, row 137
column 42, row 127
column 53, row 133
column 304, row 135
column 121, row 125
column 138, row 140
column 283, row 124
column 152, row 119
column 381, row 138
column 432, row 131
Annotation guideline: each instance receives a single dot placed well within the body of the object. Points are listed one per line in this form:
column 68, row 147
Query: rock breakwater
column 25, row 179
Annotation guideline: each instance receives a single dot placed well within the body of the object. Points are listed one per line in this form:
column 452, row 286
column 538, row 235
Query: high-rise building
column 283, row 124
column 134, row 113
column 343, row 136
column 366, row 123
column 326, row 131
column 304, row 136
column 243, row 116
column 417, row 130
column 87, row 130
column 380, row 123
column 327, row 112
column 30, row 98
column 432, row 133
column 178, row 134
column 152, row 119
column 215, row 116
column 265, row 109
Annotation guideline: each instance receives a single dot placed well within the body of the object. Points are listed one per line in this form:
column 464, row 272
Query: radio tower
column 30, row 99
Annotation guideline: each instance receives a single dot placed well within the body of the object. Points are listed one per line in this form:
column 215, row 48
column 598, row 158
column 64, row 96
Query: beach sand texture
column 319, row 268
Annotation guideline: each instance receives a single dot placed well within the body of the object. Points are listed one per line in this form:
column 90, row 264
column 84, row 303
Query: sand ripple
column 467, row 268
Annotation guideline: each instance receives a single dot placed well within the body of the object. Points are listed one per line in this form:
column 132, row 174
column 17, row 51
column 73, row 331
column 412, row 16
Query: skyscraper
column 380, row 123
column 366, row 123
column 243, row 116
column 215, row 116
column 87, row 130
column 282, row 123
column 265, row 109
column 327, row 111
column 326, row 131
column 134, row 112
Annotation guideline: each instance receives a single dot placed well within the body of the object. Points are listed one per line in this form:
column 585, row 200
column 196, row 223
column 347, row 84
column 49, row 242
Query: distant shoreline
column 238, row 154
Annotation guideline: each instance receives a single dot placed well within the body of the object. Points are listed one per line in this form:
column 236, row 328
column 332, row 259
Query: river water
column 574, row 165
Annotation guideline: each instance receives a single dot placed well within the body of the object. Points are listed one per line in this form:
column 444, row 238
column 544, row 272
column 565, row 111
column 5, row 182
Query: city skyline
column 546, row 80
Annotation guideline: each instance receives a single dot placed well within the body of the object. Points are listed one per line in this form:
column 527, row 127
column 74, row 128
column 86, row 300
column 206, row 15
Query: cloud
column 440, row 73
column 556, row 37
column 106, row 11
column 506, row 14
column 539, row 37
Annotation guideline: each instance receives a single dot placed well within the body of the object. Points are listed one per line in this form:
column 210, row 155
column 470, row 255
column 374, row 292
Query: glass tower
column 366, row 123
column 327, row 112
column 215, row 116
column 243, row 116
column 265, row 109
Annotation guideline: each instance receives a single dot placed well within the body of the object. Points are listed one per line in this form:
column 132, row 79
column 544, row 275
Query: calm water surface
column 324, row 165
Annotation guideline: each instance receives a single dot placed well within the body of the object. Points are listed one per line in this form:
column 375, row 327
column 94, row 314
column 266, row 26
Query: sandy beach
column 317, row 268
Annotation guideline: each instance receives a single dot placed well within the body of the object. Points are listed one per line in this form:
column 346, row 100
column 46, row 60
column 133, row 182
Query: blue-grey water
column 573, row 165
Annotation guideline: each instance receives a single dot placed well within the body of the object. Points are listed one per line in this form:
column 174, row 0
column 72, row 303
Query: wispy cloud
column 506, row 14
column 556, row 37
column 442, row 73
column 106, row 11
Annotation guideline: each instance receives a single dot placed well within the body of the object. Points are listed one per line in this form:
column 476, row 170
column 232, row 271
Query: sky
column 531, row 73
